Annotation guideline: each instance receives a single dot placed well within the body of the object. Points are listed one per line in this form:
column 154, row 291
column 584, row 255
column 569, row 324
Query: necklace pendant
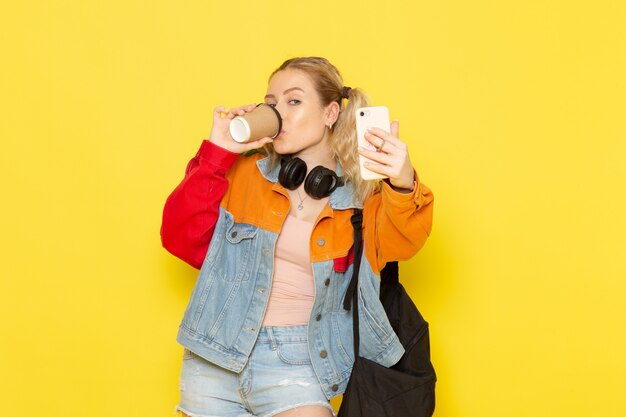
column 300, row 206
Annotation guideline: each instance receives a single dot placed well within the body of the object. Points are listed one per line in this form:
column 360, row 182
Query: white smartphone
column 367, row 117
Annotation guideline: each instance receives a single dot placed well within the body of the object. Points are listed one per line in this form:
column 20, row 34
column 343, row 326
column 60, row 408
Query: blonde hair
column 343, row 138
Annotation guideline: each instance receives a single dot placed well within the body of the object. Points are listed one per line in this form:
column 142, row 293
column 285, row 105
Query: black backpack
column 408, row 387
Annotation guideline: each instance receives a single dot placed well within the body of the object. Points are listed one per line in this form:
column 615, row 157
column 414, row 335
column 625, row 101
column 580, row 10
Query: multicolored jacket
column 225, row 217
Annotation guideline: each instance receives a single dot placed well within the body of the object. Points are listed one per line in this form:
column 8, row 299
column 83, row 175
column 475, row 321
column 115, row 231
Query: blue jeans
column 278, row 377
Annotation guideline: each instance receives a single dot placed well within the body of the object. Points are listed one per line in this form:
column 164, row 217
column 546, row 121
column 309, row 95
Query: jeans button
column 323, row 354
column 327, row 282
column 321, row 242
column 335, row 388
column 319, row 317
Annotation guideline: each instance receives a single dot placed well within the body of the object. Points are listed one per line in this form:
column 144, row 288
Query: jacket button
column 321, row 242
column 323, row 354
column 319, row 317
column 233, row 234
column 335, row 388
column 327, row 282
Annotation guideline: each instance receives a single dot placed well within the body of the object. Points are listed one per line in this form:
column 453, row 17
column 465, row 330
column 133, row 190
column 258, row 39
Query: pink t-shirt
column 293, row 287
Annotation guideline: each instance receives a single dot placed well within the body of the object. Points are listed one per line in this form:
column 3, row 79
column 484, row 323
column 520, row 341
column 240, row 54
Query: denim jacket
column 227, row 305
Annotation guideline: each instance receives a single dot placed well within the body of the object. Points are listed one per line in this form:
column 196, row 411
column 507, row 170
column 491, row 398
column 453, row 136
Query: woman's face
column 305, row 120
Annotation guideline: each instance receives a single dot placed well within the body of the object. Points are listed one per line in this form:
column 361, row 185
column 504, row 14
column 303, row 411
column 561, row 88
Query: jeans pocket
column 294, row 353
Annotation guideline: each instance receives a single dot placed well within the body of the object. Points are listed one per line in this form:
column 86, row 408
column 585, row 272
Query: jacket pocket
column 237, row 251
column 373, row 317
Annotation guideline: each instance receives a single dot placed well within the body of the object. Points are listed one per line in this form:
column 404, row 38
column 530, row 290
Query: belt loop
column 271, row 337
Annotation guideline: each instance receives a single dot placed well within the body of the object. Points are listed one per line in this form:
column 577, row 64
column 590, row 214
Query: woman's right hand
column 221, row 136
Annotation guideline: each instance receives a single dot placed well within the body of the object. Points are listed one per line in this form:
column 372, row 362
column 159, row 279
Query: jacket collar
column 340, row 199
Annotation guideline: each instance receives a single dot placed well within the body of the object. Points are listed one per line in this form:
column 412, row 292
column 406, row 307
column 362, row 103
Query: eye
column 294, row 101
column 271, row 104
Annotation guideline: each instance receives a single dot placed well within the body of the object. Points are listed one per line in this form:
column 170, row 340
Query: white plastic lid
column 239, row 129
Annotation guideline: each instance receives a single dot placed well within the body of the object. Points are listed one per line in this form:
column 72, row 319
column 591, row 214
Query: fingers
column 376, row 156
column 248, row 146
column 374, row 140
column 388, row 137
column 218, row 111
column 396, row 167
column 380, row 163
column 379, row 168
column 233, row 112
column 241, row 110
column 395, row 127
column 384, row 142
column 391, row 157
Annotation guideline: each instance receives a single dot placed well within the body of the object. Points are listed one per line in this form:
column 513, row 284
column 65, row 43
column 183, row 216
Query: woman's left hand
column 391, row 157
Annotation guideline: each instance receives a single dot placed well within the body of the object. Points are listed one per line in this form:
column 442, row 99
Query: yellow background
column 515, row 116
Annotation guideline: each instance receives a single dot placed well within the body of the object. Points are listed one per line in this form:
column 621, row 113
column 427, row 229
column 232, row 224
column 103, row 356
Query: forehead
column 289, row 78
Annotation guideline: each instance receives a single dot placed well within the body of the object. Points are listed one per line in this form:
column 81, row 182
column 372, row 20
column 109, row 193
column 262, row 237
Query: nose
column 282, row 109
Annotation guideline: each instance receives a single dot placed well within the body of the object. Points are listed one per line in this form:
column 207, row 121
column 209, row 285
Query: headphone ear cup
column 292, row 173
column 321, row 182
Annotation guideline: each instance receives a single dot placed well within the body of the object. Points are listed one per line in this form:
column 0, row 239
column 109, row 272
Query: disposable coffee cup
column 263, row 121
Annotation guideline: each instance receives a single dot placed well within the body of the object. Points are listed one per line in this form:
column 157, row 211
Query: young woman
column 265, row 332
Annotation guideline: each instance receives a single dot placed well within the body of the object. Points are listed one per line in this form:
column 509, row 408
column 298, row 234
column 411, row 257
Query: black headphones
column 320, row 182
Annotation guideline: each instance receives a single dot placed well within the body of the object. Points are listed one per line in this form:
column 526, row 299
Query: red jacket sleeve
column 191, row 211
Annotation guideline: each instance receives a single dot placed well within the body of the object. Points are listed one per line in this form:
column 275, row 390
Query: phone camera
column 362, row 113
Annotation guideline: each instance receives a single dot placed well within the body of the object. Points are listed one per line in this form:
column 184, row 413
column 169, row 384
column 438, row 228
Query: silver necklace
column 301, row 206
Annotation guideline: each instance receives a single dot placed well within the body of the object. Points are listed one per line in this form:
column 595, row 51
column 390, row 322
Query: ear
column 331, row 113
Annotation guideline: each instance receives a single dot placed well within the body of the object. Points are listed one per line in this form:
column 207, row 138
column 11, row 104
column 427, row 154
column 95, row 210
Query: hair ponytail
column 344, row 143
